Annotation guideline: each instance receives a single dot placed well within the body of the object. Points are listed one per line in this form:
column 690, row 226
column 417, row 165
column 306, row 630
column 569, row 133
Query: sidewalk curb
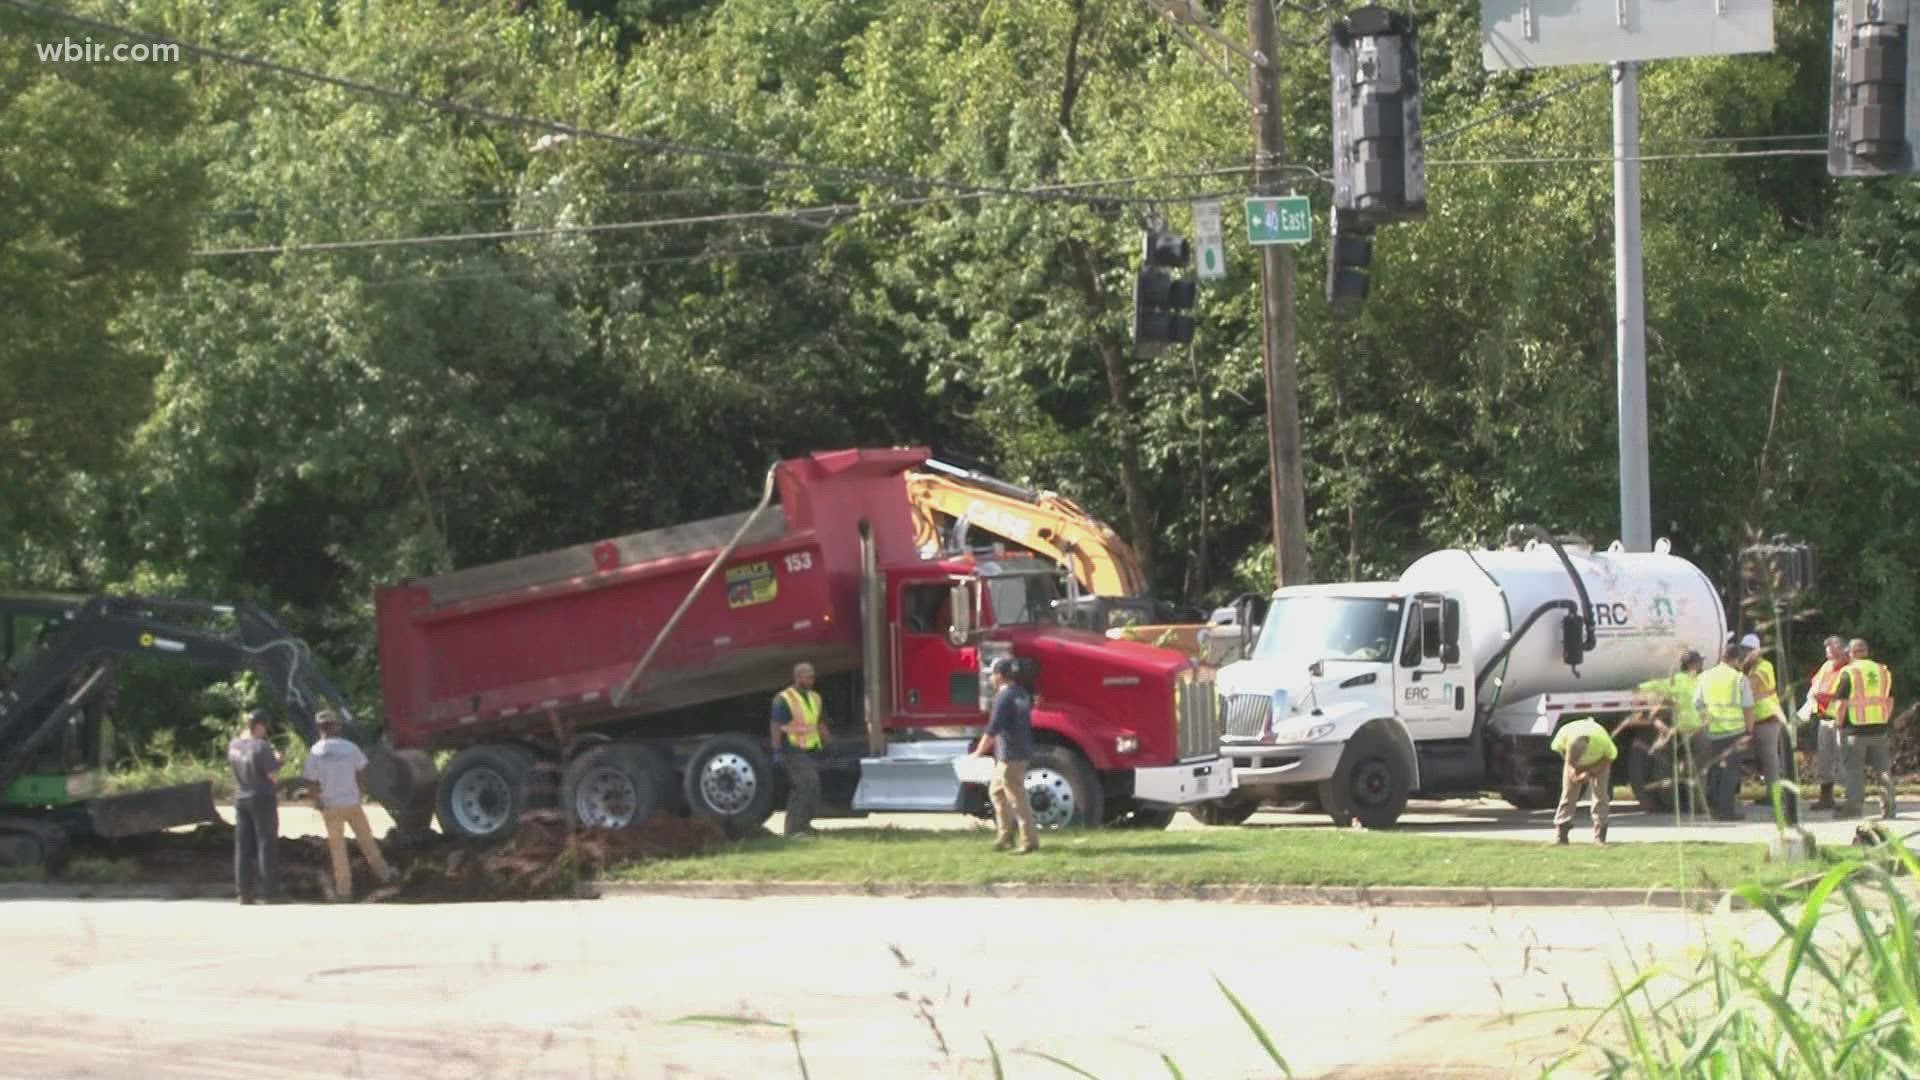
column 1345, row 896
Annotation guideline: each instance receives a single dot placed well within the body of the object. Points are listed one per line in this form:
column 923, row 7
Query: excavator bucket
column 115, row 816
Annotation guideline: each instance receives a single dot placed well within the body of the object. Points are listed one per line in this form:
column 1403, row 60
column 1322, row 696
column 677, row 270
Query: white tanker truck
column 1453, row 679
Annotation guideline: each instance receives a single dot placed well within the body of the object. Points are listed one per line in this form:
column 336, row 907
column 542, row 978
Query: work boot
column 1003, row 843
column 245, row 899
column 1600, row 835
column 1562, row 831
column 1826, row 798
column 1027, row 848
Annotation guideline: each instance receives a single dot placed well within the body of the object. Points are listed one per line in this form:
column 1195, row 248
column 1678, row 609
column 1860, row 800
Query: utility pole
column 1630, row 335
column 1277, row 340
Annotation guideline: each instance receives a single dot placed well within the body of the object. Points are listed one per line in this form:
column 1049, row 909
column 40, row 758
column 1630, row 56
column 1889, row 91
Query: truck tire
column 1645, row 769
column 1371, row 785
column 730, row 780
column 1132, row 815
column 484, row 791
column 1232, row 810
column 1063, row 789
column 1532, row 798
column 33, row 842
column 611, row 786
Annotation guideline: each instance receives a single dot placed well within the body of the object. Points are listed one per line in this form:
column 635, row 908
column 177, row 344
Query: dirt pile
column 544, row 858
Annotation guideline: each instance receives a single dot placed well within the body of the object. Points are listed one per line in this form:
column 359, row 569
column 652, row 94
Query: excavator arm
column 948, row 499
column 88, row 636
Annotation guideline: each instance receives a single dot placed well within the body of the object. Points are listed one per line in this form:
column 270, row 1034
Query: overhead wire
column 612, row 264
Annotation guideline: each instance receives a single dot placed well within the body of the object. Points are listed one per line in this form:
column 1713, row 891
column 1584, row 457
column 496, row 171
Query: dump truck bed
column 519, row 645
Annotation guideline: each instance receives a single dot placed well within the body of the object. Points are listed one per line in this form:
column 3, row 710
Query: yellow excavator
column 1106, row 591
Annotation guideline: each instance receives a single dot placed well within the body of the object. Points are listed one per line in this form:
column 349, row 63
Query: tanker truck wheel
column 1232, row 810
column 1646, row 769
column 611, row 786
column 730, row 782
column 1371, row 785
column 1063, row 790
column 484, row 791
column 1135, row 816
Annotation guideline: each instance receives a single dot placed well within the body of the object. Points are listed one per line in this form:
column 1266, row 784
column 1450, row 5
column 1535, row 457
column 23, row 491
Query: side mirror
column 1450, row 632
column 960, row 603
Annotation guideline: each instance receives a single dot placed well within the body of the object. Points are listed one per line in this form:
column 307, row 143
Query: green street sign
column 1287, row 219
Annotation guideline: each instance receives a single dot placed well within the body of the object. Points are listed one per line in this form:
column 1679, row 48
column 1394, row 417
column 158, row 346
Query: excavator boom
column 946, row 497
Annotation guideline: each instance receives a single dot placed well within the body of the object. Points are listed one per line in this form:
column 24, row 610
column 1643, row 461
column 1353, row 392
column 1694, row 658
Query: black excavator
column 57, row 661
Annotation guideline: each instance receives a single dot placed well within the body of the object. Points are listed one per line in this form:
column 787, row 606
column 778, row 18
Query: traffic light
column 1874, row 125
column 1160, row 300
column 1349, row 253
column 1379, row 162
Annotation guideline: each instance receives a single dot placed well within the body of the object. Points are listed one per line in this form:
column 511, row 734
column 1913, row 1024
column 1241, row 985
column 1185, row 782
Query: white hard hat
column 1751, row 641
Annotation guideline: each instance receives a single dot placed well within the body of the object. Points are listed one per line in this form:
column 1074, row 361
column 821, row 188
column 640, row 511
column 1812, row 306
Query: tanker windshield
column 1303, row 629
column 1018, row 599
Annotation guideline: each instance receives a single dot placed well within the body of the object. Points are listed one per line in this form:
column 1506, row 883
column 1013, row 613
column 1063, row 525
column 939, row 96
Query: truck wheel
column 414, row 817
column 1371, row 785
column 1232, row 810
column 1532, row 798
column 611, row 786
column 484, row 791
column 33, row 842
column 1062, row 789
column 730, row 780
column 1645, row 769
column 1135, row 816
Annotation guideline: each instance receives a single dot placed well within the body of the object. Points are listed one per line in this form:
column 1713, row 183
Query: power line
column 796, row 214
column 658, row 260
column 1609, row 159
column 1531, row 103
column 556, row 127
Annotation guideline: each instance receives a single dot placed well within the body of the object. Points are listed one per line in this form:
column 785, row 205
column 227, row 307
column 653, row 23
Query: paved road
column 1490, row 819
column 877, row 987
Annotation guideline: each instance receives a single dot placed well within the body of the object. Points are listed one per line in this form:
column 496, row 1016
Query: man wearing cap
column 798, row 730
column 1864, row 703
column 256, row 812
column 1769, row 738
column 1725, row 695
column 338, row 766
column 1010, row 735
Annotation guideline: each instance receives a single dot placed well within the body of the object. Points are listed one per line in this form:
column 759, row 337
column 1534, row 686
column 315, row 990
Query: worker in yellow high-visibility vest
column 1589, row 752
column 798, row 731
column 1682, row 727
column 1769, row 729
column 1864, row 696
column 1726, row 697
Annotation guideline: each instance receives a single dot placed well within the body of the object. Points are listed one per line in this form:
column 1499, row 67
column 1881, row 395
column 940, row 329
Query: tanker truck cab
column 1124, row 733
column 1352, row 693
column 1455, row 678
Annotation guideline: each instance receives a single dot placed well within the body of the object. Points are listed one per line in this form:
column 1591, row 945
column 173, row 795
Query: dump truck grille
column 1247, row 715
column 1196, row 707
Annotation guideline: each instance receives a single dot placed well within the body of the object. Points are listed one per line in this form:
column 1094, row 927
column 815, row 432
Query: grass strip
column 1224, row 857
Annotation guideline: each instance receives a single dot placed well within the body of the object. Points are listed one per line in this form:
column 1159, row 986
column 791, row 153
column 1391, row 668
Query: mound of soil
column 544, row 858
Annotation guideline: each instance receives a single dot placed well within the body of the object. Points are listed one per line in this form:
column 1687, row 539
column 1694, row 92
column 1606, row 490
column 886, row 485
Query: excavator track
column 32, row 841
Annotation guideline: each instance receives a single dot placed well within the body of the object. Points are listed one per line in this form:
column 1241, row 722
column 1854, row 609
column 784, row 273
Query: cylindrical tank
column 1648, row 608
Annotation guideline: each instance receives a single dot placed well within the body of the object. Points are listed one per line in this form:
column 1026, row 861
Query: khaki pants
column 1570, row 790
column 337, row 819
column 1011, row 807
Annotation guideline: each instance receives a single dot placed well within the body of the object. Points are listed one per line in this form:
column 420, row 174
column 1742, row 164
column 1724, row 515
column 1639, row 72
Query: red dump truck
column 642, row 667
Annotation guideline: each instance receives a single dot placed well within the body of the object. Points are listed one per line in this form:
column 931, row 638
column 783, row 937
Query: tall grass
column 1834, row 992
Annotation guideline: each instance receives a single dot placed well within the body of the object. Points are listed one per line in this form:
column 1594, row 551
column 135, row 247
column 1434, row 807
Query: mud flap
column 912, row 778
column 114, row 816
column 405, row 782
